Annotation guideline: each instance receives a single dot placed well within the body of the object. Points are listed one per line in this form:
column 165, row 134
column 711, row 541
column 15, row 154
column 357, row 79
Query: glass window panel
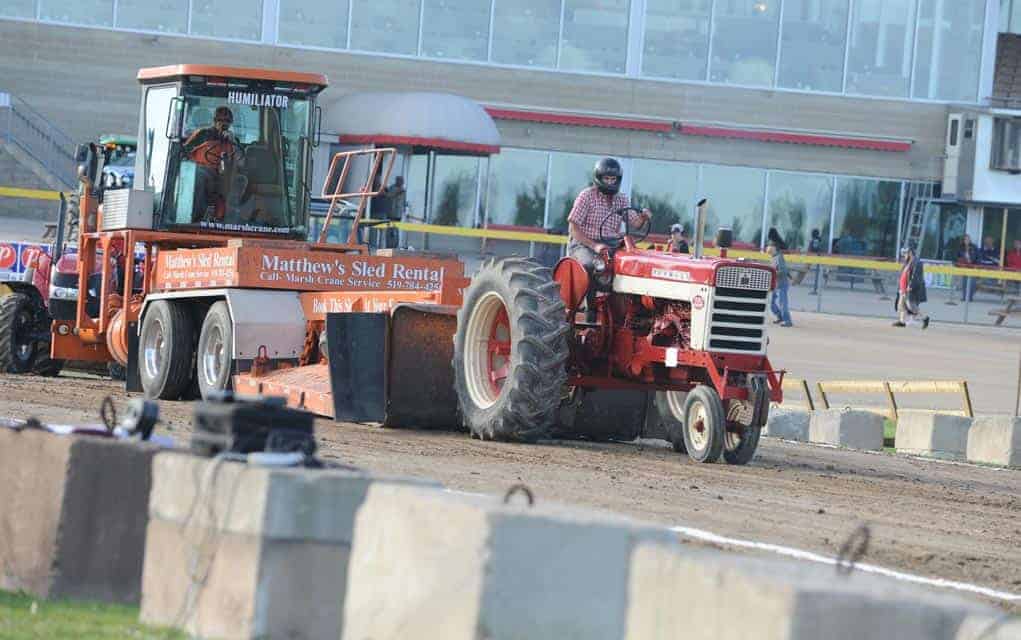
column 390, row 26
column 992, row 233
column 944, row 228
column 17, row 8
column 1015, row 17
column 320, row 24
column 865, row 219
column 569, row 174
column 456, row 29
column 676, row 39
column 882, row 36
column 668, row 189
column 595, row 35
column 812, row 44
column 744, row 42
column 525, row 32
column 735, row 197
column 517, row 187
column 949, row 49
column 454, row 190
column 97, row 12
column 799, row 204
column 240, row 19
column 170, row 16
column 417, row 173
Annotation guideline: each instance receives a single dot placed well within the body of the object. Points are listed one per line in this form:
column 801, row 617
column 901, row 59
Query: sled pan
column 394, row 368
column 604, row 414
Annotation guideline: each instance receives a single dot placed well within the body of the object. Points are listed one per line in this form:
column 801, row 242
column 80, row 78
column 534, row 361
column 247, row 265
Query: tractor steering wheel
column 614, row 240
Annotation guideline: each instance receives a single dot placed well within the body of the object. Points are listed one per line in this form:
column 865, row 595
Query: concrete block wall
column 932, row 434
column 788, row 424
column 847, row 428
column 73, row 515
column 440, row 565
column 995, row 440
column 239, row 551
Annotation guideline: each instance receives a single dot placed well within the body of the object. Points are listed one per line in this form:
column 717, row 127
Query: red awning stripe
column 579, row 120
column 797, row 138
column 435, row 143
column 760, row 135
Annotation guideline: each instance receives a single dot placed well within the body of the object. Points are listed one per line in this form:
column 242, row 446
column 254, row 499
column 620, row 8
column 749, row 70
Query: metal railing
column 34, row 134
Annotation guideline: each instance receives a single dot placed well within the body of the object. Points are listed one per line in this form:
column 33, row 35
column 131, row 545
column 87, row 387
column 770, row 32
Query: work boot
column 925, row 322
column 590, row 316
column 899, row 324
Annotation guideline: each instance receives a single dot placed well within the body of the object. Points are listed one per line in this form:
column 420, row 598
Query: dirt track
column 952, row 521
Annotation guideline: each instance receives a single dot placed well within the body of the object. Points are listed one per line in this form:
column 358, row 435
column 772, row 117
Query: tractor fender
column 573, row 281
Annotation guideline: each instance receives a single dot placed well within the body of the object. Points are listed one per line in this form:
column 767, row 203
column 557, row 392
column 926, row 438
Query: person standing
column 815, row 248
column 780, row 302
column 967, row 255
column 910, row 290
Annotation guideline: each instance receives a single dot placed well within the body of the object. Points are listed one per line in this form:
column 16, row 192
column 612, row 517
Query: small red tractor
column 230, row 294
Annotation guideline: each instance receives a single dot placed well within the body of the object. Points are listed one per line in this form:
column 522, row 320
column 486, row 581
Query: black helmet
column 603, row 168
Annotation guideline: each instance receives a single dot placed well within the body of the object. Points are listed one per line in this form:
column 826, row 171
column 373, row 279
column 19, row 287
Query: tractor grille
column 743, row 278
column 738, row 315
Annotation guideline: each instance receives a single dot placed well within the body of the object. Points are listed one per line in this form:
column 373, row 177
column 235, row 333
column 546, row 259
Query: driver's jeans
column 585, row 257
column 207, row 185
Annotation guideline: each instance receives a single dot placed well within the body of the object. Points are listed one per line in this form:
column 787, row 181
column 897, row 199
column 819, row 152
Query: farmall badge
column 698, row 302
column 667, row 274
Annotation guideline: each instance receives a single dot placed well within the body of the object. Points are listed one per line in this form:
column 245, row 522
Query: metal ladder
column 918, row 203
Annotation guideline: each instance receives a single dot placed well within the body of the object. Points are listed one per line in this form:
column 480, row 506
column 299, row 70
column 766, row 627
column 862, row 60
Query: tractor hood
column 679, row 267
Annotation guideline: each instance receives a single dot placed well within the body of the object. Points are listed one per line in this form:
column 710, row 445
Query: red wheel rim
column 498, row 347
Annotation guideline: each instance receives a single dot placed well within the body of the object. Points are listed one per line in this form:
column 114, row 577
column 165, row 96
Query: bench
column 1013, row 308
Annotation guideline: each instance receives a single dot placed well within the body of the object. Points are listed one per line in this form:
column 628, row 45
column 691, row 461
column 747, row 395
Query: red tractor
column 692, row 329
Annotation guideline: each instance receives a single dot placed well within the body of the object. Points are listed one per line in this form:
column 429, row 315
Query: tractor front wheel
column 670, row 408
column 17, row 346
column 510, row 351
column 165, row 350
column 704, row 424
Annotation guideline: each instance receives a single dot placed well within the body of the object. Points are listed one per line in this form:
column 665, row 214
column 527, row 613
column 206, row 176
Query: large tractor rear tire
column 704, row 424
column 214, row 359
column 510, row 351
column 670, row 407
column 165, row 350
column 17, row 349
column 44, row 365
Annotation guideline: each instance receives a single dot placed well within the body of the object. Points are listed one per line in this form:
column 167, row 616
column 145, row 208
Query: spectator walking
column 678, row 240
column 815, row 248
column 780, row 303
column 967, row 255
column 910, row 290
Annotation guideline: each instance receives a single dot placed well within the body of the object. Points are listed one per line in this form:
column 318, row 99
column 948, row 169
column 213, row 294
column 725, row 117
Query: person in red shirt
column 588, row 221
column 1013, row 258
column 208, row 148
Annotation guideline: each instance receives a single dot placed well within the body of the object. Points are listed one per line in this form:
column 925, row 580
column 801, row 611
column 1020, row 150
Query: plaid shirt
column 591, row 207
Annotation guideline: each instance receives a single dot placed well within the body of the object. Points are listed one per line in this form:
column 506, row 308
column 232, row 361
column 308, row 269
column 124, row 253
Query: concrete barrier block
column 238, row 551
column 427, row 564
column 675, row 592
column 995, row 440
column 73, row 513
column 850, row 428
column 786, row 423
column 932, row 434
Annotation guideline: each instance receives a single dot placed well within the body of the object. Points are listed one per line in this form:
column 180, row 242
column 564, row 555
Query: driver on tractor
column 596, row 219
column 208, row 147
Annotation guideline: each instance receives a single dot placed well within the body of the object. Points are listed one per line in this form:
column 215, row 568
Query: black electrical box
column 248, row 425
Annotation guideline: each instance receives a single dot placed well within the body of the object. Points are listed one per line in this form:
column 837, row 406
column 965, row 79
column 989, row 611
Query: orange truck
column 229, row 294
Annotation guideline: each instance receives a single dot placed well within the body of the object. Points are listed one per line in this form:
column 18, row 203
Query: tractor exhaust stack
column 700, row 228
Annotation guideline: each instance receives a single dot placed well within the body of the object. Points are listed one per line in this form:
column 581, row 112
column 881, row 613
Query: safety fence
column 840, row 284
column 889, row 389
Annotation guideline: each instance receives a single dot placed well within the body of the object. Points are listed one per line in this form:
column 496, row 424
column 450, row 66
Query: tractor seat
column 263, row 171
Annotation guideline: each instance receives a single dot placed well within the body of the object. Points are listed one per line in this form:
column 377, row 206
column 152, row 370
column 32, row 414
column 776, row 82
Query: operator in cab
column 588, row 221
column 207, row 147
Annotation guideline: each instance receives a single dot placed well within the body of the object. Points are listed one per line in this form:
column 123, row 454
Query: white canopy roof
column 436, row 120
